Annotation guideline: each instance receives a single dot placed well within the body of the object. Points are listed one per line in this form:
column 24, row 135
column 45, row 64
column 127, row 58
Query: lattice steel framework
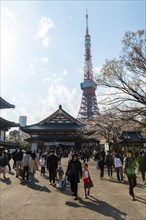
column 89, row 107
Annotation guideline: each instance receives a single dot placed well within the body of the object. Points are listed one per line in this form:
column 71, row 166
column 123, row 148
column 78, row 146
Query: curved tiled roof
column 4, row 104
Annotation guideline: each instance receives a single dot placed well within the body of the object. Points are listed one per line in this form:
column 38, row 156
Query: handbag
column 91, row 182
column 69, row 175
column 86, row 180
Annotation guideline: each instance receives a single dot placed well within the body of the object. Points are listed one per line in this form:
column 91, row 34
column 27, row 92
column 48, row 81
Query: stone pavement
column 41, row 201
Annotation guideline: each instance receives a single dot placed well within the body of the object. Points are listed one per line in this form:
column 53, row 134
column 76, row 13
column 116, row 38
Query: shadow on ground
column 35, row 186
column 98, row 206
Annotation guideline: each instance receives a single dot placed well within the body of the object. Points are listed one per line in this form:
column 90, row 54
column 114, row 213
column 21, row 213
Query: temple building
column 133, row 140
column 59, row 129
column 5, row 125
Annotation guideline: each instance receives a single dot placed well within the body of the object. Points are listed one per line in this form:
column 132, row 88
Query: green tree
column 14, row 135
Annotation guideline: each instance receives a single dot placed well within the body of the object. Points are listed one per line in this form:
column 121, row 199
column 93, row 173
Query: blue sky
column 42, row 50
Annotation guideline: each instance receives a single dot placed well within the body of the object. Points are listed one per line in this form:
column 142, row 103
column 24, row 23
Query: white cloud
column 31, row 65
column 56, row 78
column 45, row 41
column 65, row 72
column 10, row 14
column 56, row 95
column 45, row 24
column 44, row 59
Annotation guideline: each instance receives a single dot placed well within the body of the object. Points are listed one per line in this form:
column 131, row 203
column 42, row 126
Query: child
column 42, row 163
column 60, row 173
column 87, row 180
column 101, row 167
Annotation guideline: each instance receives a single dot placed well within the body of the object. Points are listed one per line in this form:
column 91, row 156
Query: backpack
column 62, row 184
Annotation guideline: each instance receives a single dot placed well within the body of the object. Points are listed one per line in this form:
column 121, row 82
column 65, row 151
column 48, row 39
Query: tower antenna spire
column 89, row 107
column 87, row 32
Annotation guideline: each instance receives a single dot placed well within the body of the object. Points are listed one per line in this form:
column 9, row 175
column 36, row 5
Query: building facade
column 58, row 129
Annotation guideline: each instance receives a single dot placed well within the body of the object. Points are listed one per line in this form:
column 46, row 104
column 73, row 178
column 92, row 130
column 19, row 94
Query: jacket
column 75, row 168
column 52, row 162
column 25, row 160
column 130, row 165
column 33, row 166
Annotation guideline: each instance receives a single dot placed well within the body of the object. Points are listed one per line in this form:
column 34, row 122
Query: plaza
column 109, row 199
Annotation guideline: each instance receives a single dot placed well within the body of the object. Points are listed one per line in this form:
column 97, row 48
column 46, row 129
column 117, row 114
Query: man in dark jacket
column 74, row 173
column 52, row 166
column 3, row 163
column 109, row 163
column 142, row 165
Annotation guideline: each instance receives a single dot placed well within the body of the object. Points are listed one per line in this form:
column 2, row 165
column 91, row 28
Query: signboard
column 106, row 146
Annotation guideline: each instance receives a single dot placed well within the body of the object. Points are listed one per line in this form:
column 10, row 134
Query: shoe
column 86, row 197
column 54, row 184
column 16, row 176
column 133, row 199
column 50, row 183
column 75, row 198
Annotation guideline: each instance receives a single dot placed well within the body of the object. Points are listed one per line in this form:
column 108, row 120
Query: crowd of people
column 26, row 164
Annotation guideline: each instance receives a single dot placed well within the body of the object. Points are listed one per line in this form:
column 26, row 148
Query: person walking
column 33, row 166
column 25, row 164
column 18, row 158
column 97, row 158
column 14, row 158
column 60, row 173
column 52, row 166
column 130, row 167
column 109, row 163
column 142, row 165
column 42, row 163
column 118, row 167
column 74, row 173
column 86, row 180
column 9, row 158
column 101, row 167
column 3, row 164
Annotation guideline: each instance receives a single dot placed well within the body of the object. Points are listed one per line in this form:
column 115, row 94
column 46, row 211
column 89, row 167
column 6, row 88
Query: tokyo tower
column 89, row 108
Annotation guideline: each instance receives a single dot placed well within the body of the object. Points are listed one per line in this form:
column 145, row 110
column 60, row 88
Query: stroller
column 61, row 184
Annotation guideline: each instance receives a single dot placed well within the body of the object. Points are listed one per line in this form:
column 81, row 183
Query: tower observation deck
column 89, row 108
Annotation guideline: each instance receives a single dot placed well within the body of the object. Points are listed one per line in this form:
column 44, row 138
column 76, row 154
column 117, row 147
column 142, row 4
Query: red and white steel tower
column 89, row 108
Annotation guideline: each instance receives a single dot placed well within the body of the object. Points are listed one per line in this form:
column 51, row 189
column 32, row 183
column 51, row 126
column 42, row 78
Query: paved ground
column 109, row 200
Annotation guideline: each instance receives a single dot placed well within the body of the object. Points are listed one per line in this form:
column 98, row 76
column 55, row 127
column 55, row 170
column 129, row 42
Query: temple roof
column 51, row 127
column 5, row 124
column 4, row 104
column 132, row 136
column 60, row 116
column 59, row 120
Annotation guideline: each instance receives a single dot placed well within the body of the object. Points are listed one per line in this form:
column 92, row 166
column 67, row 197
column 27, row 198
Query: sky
column 42, row 51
